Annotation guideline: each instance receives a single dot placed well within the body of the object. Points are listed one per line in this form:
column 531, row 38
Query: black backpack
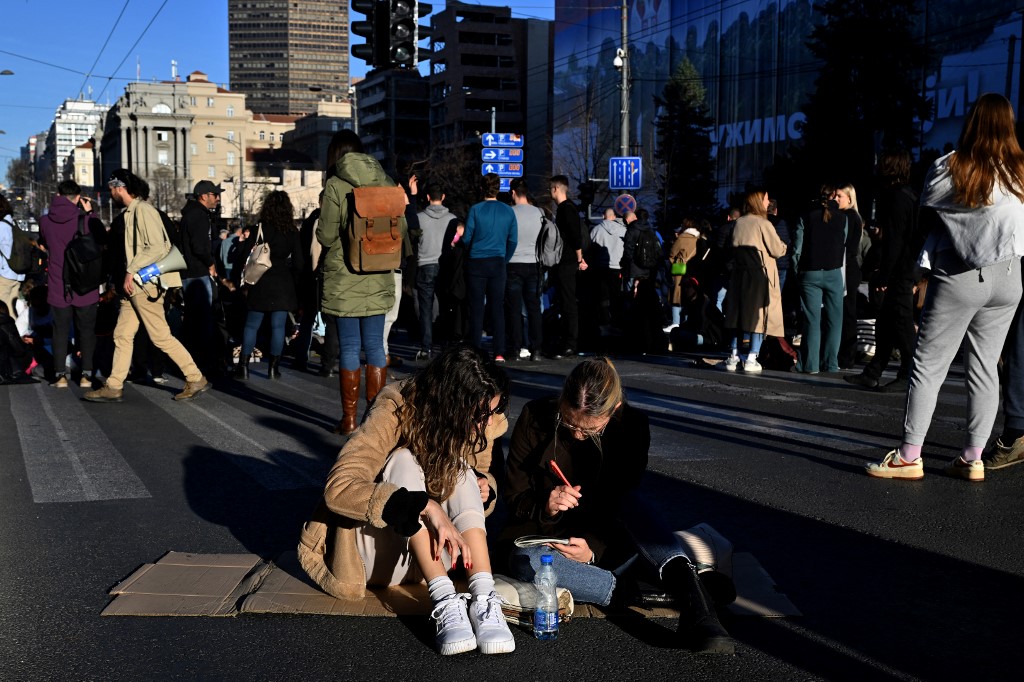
column 20, row 260
column 83, row 262
column 647, row 252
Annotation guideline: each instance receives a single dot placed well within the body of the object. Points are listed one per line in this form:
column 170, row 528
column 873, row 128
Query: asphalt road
column 907, row 580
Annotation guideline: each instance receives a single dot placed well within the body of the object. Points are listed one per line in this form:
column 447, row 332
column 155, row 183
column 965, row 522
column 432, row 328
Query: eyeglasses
column 588, row 433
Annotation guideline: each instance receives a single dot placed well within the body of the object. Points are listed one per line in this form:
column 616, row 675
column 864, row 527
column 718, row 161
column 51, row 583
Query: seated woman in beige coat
column 408, row 494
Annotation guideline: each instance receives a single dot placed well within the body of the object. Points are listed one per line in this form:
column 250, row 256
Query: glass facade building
column 757, row 72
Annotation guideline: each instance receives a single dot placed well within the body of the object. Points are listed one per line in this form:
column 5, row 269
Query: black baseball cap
column 206, row 187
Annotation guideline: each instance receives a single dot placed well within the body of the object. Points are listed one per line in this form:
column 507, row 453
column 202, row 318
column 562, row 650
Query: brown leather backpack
column 376, row 226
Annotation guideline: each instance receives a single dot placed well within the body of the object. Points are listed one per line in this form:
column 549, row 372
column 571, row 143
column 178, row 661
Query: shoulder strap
column 81, row 224
column 7, row 256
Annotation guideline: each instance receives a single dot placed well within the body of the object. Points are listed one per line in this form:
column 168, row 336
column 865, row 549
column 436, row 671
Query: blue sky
column 53, row 45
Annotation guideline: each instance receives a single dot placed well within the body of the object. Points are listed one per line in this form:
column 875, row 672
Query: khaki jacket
column 146, row 242
column 355, row 496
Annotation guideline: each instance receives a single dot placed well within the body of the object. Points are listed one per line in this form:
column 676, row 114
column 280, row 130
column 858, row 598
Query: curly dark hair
column 277, row 212
column 444, row 413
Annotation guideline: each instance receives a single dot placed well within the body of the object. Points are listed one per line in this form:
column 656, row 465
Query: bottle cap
column 545, row 559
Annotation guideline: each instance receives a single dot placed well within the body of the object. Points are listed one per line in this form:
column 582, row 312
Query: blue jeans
column 426, row 278
column 486, row 277
column 653, row 543
column 816, row 287
column 361, row 333
column 252, row 325
column 756, row 339
column 523, row 287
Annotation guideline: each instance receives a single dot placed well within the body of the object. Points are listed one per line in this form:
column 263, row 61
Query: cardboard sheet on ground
column 183, row 584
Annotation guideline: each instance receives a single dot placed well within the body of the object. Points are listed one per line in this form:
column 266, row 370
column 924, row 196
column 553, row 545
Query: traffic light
column 375, row 29
column 402, row 51
column 587, row 190
column 423, row 31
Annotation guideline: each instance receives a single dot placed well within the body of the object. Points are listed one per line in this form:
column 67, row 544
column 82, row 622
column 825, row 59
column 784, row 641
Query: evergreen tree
column 688, row 182
column 868, row 93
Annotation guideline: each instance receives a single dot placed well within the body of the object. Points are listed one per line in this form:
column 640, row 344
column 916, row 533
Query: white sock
column 440, row 588
column 752, row 357
column 481, row 584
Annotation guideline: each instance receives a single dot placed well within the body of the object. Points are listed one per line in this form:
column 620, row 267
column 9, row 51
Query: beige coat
column 146, row 241
column 354, row 497
column 749, row 307
column 683, row 249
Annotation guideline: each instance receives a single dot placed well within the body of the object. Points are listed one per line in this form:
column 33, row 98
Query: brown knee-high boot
column 376, row 377
column 348, row 380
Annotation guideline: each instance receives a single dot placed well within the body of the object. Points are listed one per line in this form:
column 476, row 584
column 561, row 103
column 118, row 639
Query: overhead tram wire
column 85, row 80
column 132, row 48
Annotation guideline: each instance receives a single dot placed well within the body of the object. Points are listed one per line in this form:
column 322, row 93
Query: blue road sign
column 506, row 184
column 504, row 170
column 625, row 172
column 502, row 139
column 501, row 154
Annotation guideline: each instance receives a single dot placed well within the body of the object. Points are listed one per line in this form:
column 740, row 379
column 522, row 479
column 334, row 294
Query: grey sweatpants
column 386, row 556
column 979, row 304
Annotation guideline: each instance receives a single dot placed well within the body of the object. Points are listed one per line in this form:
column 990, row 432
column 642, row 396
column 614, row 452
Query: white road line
column 272, row 458
column 67, row 456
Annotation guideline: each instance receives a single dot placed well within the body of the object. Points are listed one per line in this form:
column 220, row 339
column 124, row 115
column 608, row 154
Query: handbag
column 258, row 261
column 679, row 268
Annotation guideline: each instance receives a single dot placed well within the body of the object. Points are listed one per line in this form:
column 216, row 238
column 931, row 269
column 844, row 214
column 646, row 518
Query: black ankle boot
column 274, row 369
column 241, row 372
column 699, row 627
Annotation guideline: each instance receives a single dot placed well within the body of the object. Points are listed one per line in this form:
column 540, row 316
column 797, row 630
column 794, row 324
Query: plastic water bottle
column 545, row 616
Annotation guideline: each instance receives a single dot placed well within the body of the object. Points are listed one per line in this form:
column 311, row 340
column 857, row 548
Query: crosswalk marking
column 67, row 456
column 274, row 459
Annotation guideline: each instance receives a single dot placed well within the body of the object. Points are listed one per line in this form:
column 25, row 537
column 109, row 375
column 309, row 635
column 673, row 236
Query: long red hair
column 987, row 151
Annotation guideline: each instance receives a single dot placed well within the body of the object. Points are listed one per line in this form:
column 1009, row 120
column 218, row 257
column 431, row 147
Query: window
column 263, row 136
column 211, row 171
column 192, row 101
column 210, row 147
column 231, row 111
column 209, row 102
column 231, row 136
column 193, row 149
column 334, row 126
column 231, row 158
column 161, row 157
column 162, row 136
column 271, row 136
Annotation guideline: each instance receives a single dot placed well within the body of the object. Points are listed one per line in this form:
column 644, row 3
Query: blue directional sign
column 625, row 172
column 506, row 184
column 504, row 170
column 502, row 154
column 502, row 140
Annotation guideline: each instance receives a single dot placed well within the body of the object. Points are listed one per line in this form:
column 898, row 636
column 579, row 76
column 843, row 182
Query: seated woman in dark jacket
column 600, row 444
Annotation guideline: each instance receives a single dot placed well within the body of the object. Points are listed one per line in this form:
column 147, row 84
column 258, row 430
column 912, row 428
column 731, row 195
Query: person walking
column 68, row 211
column 357, row 301
column 146, row 243
column 973, row 200
column 522, row 286
column 274, row 293
column 491, row 236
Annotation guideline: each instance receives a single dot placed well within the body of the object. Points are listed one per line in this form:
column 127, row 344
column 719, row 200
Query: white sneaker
column 732, row 362
column 492, row 633
column 752, row 366
column 668, row 329
column 524, row 353
column 454, row 631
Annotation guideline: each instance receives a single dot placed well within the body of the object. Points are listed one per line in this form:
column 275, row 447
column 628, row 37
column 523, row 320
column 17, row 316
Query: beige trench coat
column 745, row 309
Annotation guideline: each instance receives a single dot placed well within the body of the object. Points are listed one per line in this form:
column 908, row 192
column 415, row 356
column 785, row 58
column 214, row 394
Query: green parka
column 347, row 293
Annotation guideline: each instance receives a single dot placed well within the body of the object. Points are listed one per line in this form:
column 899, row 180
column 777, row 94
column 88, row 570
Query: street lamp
column 241, row 169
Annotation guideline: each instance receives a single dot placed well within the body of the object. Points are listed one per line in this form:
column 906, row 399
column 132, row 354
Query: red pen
column 558, row 472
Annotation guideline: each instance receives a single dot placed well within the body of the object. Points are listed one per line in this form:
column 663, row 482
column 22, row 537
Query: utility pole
column 623, row 55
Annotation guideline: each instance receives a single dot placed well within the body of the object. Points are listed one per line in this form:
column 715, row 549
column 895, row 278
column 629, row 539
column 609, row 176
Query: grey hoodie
column 608, row 241
column 434, row 221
